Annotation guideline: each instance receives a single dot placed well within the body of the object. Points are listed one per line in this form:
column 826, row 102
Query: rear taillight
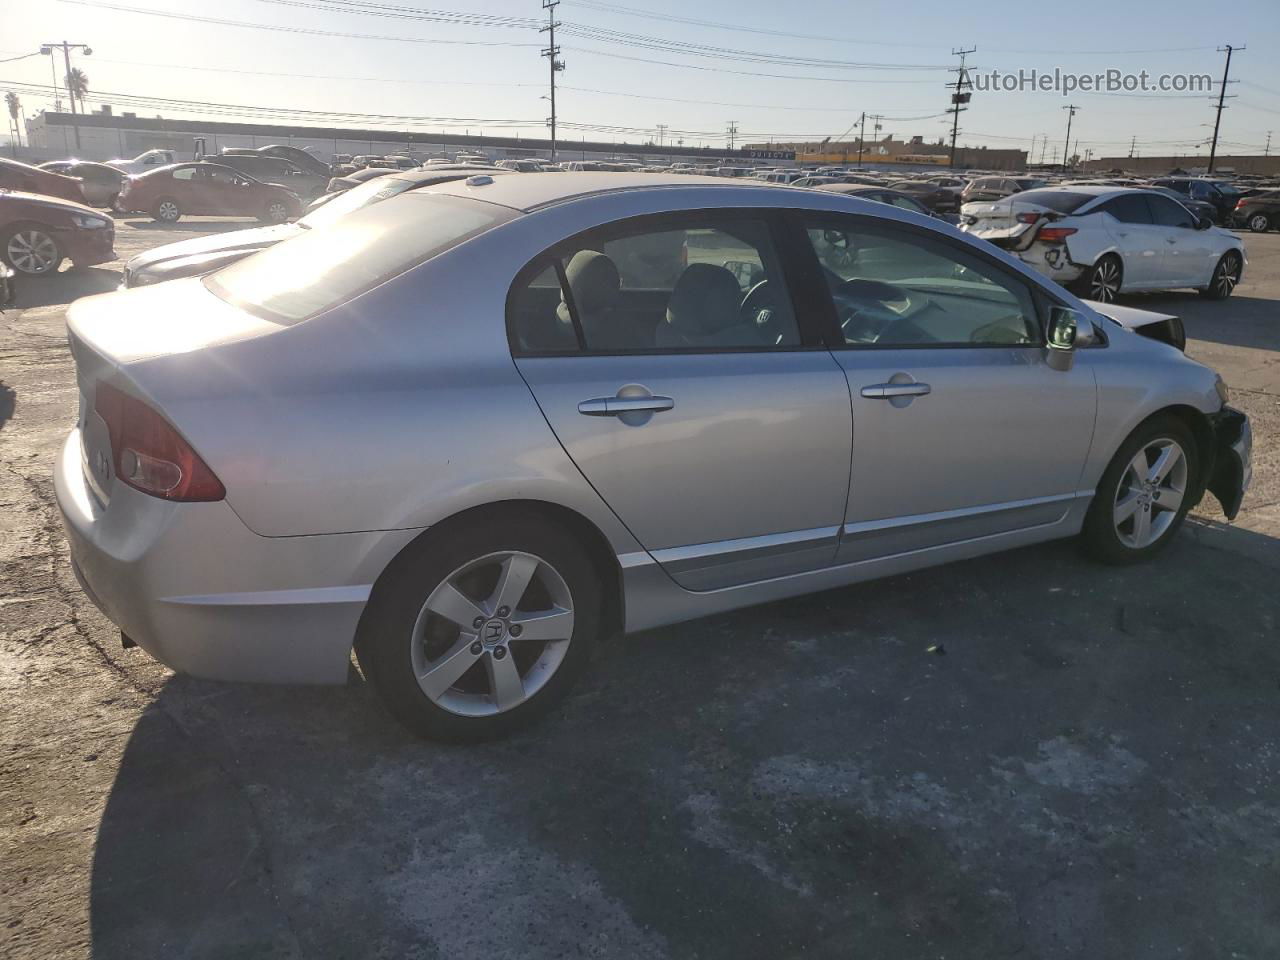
column 149, row 454
column 1055, row 234
column 1028, row 217
column 1241, row 204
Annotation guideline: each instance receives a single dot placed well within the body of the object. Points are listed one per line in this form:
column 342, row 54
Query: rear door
column 960, row 429
column 695, row 396
column 1142, row 245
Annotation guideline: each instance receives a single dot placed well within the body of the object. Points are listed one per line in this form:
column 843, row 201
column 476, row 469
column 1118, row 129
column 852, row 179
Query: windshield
column 332, row 264
column 354, row 199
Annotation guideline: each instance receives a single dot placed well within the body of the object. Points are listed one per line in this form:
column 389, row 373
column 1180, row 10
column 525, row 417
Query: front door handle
column 887, row 391
column 615, row 406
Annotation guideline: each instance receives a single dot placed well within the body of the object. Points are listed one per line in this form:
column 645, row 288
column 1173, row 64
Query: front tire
column 276, row 212
column 1259, row 223
column 477, row 630
column 1103, row 280
column 31, row 250
column 1145, row 493
column 1225, row 277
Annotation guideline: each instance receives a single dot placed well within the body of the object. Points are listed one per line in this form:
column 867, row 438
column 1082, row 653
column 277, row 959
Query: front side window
column 683, row 283
column 1170, row 213
column 898, row 288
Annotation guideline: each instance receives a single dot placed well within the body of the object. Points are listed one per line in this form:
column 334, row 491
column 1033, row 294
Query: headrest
column 705, row 300
column 594, row 282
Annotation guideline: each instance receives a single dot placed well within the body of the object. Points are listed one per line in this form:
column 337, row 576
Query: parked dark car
column 1199, row 208
column 15, row 175
column 895, row 198
column 283, row 173
column 935, row 197
column 280, row 151
column 997, row 188
column 201, row 255
column 206, row 189
column 357, row 177
column 1222, row 195
column 99, row 183
column 1259, row 212
column 37, row 232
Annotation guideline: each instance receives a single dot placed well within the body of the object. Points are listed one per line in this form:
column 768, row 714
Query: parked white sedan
column 1101, row 241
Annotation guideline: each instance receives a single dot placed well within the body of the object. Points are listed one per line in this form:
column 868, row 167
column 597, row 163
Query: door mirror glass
column 1204, row 223
column 1060, row 337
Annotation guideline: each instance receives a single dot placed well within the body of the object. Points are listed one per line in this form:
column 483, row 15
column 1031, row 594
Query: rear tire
column 166, row 210
column 1259, row 223
column 482, row 649
column 1141, row 499
column 1225, row 277
column 1102, row 281
column 276, row 212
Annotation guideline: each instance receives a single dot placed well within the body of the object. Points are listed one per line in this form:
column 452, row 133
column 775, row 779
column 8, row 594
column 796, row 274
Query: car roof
column 531, row 192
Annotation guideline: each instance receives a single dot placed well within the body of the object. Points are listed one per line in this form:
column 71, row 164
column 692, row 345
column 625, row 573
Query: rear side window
column 684, row 283
column 331, row 264
column 1060, row 201
column 184, row 173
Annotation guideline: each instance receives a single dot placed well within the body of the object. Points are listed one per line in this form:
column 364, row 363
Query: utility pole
column 1044, row 147
column 963, row 94
column 1071, row 109
column 662, row 132
column 1133, row 142
column 1266, row 151
column 47, row 49
column 733, row 133
column 1222, row 95
column 862, row 135
column 552, row 53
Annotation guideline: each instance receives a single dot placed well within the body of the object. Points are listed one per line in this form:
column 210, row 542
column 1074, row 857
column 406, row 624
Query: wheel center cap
column 494, row 631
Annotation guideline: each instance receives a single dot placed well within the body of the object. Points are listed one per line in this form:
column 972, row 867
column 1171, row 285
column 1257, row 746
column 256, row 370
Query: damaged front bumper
column 1232, row 467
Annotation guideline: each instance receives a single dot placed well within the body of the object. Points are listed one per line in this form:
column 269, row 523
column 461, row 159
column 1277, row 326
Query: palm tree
column 78, row 85
column 13, row 103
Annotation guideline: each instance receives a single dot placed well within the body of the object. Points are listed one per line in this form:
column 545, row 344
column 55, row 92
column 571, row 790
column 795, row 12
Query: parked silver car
column 475, row 428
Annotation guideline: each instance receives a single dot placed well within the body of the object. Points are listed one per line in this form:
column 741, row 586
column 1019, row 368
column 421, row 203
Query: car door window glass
column 184, row 173
column 1129, row 208
column 898, row 288
column 1170, row 213
column 686, row 286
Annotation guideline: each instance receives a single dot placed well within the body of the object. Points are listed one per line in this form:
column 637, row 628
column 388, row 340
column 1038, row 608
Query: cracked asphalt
column 1087, row 765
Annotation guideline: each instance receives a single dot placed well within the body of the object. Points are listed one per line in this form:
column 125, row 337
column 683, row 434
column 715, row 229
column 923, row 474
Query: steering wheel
column 861, row 308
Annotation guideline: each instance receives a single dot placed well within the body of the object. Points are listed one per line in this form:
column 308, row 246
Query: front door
column 960, row 429
column 668, row 358
column 1189, row 260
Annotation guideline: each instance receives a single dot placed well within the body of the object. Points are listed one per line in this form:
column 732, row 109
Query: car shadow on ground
column 1025, row 754
column 1251, row 321
column 192, row 226
column 71, row 283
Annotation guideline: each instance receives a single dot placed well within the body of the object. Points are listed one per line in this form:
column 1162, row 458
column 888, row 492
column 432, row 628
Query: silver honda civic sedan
column 476, row 428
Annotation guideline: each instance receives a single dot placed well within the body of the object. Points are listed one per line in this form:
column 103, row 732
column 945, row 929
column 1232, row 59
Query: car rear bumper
column 200, row 592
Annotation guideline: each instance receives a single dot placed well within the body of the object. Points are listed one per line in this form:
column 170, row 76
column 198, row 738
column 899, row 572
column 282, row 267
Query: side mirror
column 1204, row 223
column 1060, row 338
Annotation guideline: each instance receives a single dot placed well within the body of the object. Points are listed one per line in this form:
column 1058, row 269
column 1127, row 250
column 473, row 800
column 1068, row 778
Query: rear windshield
column 369, row 192
column 1063, row 201
column 331, row 264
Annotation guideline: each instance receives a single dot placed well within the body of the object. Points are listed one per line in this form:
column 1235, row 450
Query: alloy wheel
column 1150, row 493
column 1259, row 223
column 278, row 212
column 32, row 251
column 1104, row 285
column 1228, row 275
column 168, row 210
column 492, row 634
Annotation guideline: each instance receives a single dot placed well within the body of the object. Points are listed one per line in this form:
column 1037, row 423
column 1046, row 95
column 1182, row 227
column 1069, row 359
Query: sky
column 779, row 71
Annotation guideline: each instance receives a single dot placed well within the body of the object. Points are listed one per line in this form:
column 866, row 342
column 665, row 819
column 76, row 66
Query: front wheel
column 1225, row 277
column 1102, row 281
column 476, row 631
column 31, row 250
column 1144, row 494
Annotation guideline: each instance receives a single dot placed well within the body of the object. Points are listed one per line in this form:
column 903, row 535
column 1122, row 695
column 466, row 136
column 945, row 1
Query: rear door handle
column 887, row 391
column 613, row 406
